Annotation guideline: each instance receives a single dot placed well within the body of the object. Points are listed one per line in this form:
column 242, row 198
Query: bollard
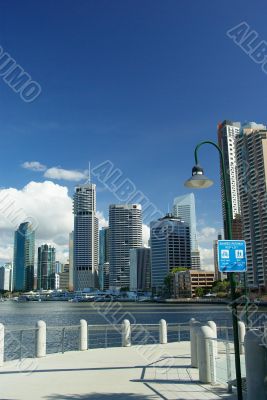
column 256, row 365
column 40, row 339
column 205, row 355
column 241, row 335
column 2, row 344
column 194, row 325
column 126, row 333
column 83, row 335
column 163, row 338
column 213, row 326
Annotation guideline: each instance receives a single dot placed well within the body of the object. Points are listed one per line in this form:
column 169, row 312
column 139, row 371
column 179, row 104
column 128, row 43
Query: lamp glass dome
column 198, row 179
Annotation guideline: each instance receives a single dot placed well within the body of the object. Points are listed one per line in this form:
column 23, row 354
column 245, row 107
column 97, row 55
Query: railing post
column 256, row 365
column 126, row 333
column 213, row 326
column 2, row 344
column 83, row 343
column 163, row 337
column 40, row 349
column 241, row 335
column 194, row 325
column 205, row 350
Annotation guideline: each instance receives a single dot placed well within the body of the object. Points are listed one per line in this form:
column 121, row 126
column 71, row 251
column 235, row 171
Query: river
column 19, row 316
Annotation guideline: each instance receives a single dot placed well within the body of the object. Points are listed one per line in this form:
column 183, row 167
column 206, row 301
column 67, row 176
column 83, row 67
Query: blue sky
column 137, row 82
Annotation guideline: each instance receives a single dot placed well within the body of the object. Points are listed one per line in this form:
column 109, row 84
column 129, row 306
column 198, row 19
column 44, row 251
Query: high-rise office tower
column 252, row 177
column 170, row 248
column 24, row 248
column 125, row 233
column 184, row 207
column 6, row 277
column 71, row 261
column 85, row 237
column 103, row 268
column 140, row 269
column 228, row 133
column 46, row 267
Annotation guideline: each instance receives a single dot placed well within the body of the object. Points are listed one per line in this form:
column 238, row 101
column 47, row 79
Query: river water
column 17, row 317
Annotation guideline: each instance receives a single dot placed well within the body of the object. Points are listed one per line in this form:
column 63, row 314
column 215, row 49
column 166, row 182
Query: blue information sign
column 232, row 256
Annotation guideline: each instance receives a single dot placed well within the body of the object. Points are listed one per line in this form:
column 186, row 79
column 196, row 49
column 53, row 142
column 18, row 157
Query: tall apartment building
column 170, row 247
column 140, row 269
column 85, row 237
column 252, row 177
column 228, row 133
column 46, row 267
column 125, row 233
column 24, row 248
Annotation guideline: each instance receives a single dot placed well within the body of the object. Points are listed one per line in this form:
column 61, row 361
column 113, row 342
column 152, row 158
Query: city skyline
column 127, row 82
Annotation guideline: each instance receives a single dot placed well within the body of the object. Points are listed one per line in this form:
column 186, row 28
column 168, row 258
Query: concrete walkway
column 134, row 373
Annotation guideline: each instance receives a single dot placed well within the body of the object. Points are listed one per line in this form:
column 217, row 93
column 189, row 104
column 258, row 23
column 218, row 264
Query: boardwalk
column 134, row 373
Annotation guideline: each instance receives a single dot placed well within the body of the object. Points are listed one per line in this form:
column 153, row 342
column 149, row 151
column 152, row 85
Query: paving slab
column 134, row 373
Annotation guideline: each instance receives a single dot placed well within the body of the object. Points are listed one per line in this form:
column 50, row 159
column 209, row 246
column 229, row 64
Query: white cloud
column 65, row 174
column 206, row 236
column 207, row 258
column 146, row 235
column 34, row 166
column 102, row 221
column 48, row 206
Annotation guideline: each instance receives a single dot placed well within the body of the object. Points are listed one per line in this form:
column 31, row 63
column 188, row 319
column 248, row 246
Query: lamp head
column 198, row 179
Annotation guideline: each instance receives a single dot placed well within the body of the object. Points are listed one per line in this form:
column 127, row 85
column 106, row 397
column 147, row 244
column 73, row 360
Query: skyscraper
column 228, row 132
column 140, row 269
column 252, row 177
column 70, row 261
column 85, row 237
column 125, row 233
column 103, row 268
column 170, row 248
column 184, row 207
column 24, row 247
column 6, row 275
column 46, row 267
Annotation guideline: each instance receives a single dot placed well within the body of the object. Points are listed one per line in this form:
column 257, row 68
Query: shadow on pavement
column 99, row 396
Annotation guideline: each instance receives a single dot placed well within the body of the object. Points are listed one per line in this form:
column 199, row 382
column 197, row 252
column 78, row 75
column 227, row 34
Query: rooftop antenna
column 88, row 181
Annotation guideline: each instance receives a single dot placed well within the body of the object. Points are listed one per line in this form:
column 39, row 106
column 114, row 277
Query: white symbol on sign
column 239, row 254
column 225, row 253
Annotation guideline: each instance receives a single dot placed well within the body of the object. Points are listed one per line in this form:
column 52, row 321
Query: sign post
column 232, row 256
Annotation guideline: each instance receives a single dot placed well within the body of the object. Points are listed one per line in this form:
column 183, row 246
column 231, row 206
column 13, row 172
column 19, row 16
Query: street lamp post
column 200, row 181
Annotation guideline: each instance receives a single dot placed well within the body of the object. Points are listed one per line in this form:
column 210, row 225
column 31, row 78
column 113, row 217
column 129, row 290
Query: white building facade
column 125, row 233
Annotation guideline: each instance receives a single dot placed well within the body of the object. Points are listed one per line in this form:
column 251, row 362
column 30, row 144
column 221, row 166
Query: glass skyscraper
column 103, row 268
column 24, row 247
column 170, row 248
column 46, row 267
column 184, row 207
